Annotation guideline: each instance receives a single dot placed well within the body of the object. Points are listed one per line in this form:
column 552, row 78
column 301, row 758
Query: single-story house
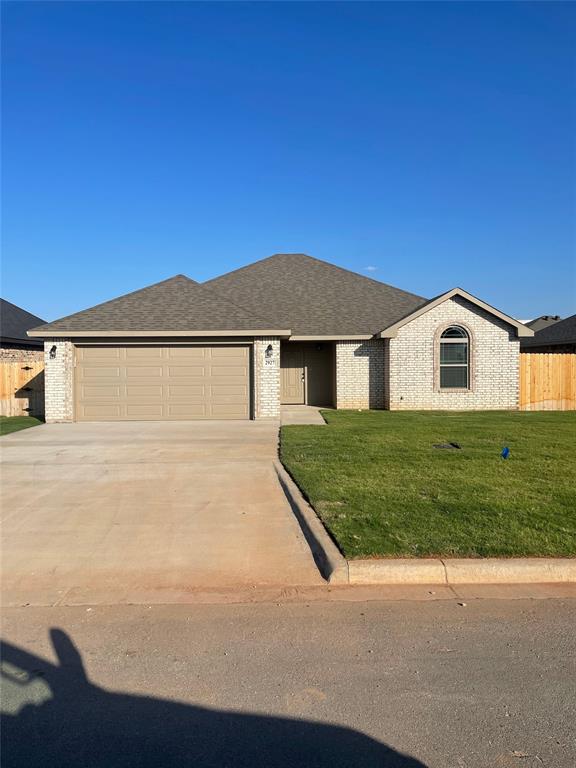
column 556, row 337
column 15, row 344
column 287, row 329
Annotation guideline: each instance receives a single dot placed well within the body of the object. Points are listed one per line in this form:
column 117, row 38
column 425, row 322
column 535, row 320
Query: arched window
column 454, row 358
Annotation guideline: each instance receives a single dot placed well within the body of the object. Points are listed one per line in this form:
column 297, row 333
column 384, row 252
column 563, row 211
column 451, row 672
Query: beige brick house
column 289, row 329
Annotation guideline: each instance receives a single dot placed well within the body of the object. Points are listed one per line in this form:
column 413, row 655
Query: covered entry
column 307, row 373
column 162, row 383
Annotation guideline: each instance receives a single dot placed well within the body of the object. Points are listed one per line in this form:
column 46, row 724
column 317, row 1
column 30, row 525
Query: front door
column 292, row 374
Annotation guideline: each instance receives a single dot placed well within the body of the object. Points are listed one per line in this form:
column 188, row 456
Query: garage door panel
column 229, row 410
column 156, row 383
column 228, row 397
column 186, row 390
column 218, row 390
column 101, row 412
column 144, row 410
column 217, row 362
column 144, row 371
column 227, row 371
column 193, row 371
column 188, row 410
column 105, row 391
column 144, row 391
column 92, row 372
column 146, row 353
column 186, row 353
column 101, row 353
column 217, row 352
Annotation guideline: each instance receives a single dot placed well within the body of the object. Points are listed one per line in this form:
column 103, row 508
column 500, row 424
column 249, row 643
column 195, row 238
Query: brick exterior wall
column 360, row 374
column 59, row 380
column 15, row 353
column 266, row 379
column 412, row 370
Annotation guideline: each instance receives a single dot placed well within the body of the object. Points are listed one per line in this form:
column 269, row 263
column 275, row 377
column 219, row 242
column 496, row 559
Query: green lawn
column 15, row 423
column 382, row 490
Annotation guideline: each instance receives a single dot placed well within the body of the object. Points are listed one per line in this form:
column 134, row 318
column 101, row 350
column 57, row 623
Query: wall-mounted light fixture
column 52, row 351
column 269, row 351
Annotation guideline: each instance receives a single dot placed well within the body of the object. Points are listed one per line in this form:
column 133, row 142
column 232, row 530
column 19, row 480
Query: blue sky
column 424, row 144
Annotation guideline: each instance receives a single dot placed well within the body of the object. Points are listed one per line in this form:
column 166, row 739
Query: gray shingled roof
column 285, row 291
column 315, row 298
column 542, row 322
column 15, row 322
column 562, row 332
column 176, row 304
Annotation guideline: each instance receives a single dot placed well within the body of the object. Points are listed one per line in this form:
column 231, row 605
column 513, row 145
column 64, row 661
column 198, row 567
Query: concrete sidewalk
column 122, row 512
column 301, row 414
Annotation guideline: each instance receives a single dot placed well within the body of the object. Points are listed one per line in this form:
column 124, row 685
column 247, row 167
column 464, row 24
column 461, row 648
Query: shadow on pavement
column 73, row 722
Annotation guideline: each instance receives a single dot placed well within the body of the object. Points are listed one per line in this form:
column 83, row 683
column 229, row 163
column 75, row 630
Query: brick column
column 59, row 380
column 266, row 379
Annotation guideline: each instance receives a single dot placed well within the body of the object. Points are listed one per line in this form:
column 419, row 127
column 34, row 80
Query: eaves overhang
column 334, row 337
column 13, row 340
column 48, row 334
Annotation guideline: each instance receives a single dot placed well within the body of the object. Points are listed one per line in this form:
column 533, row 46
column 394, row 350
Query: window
column 454, row 358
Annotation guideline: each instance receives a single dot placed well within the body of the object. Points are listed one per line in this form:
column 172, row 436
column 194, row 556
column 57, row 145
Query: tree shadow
column 76, row 723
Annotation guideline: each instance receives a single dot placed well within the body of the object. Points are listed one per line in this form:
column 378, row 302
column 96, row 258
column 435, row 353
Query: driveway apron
column 129, row 512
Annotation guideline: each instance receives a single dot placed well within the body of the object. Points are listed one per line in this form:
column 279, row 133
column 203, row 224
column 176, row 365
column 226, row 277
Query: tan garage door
column 147, row 383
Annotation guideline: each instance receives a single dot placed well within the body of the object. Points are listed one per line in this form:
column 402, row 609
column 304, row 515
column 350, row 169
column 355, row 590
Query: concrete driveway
column 137, row 512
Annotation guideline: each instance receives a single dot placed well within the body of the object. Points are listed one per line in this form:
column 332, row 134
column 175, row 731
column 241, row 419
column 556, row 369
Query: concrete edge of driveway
column 330, row 562
column 337, row 570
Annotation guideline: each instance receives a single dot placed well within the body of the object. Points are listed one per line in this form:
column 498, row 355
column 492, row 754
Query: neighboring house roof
column 542, row 322
column 15, row 323
column 392, row 330
column 177, row 306
column 315, row 298
column 562, row 332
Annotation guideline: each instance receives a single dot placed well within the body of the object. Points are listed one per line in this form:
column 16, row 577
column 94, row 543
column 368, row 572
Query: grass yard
column 383, row 490
column 10, row 424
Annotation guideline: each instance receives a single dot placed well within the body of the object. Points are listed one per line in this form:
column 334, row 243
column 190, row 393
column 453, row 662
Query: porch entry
column 307, row 373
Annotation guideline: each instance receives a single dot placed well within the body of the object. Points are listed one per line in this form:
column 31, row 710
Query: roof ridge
column 357, row 274
column 318, row 261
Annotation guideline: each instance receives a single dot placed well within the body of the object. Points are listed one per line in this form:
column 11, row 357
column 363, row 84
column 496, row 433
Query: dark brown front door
column 292, row 374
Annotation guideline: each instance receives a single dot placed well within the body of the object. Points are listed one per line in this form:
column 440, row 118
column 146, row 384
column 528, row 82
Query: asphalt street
column 441, row 684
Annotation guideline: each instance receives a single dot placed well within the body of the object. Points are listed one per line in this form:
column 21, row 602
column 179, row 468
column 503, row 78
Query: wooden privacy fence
column 22, row 388
column 547, row 381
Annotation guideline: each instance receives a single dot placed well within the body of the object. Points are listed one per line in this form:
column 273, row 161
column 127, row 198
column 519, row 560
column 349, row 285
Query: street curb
column 397, row 571
column 328, row 558
column 337, row 570
column 463, row 571
column 517, row 570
